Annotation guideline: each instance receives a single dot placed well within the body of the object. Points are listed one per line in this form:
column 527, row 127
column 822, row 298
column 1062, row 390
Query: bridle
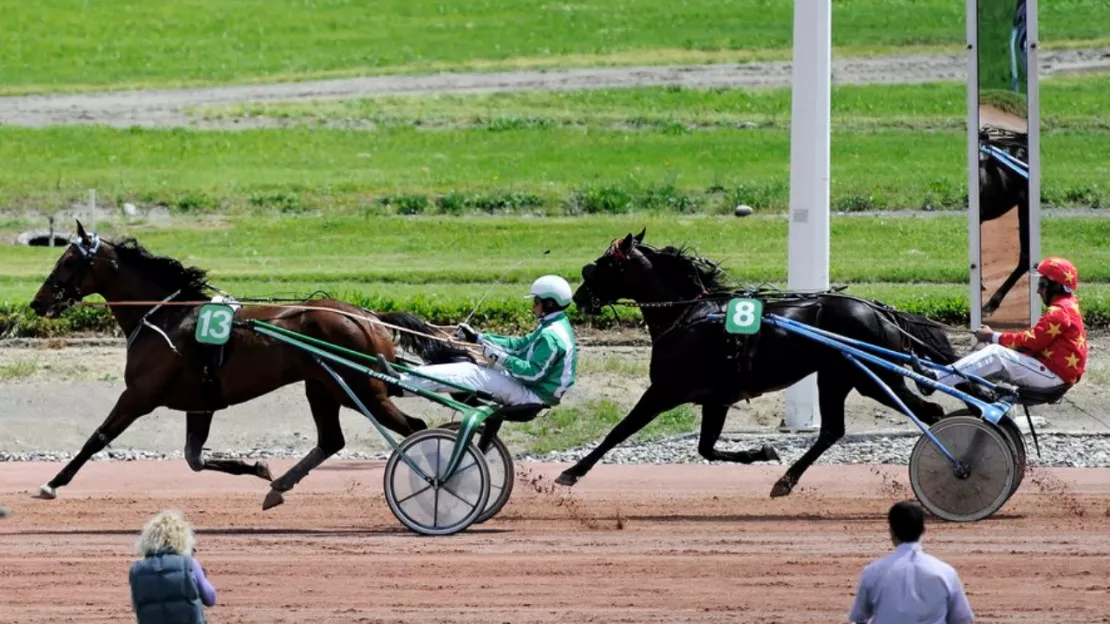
column 68, row 291
column 637, row 256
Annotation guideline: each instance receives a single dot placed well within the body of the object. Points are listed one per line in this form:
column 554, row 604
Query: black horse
column 694, row 360
column 1001, row 189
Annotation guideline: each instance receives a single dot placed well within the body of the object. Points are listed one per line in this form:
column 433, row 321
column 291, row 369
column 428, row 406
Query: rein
column 352, row 315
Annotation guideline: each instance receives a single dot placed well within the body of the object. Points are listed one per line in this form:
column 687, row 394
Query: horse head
column 75, row 275
column 629, row 269
column 620, row 273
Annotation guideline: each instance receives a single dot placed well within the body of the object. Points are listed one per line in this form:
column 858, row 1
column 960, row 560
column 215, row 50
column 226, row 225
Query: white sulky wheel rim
column 501, row 473
column 987, row 452
column 425, row 508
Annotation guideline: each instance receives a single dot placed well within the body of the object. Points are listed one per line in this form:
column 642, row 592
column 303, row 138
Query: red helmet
column 1060, row 271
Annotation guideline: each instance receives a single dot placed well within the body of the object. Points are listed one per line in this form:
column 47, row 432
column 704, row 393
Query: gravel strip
column 1071, row 450
column 1057, row 450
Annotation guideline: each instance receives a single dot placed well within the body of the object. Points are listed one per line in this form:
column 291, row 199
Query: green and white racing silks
column 545, row 360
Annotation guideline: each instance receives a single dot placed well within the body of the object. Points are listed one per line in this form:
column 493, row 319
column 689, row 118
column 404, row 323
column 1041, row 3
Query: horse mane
column 163, row 270
column 693, row 268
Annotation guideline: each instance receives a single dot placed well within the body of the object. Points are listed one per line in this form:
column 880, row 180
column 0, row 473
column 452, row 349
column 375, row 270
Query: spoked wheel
column 1013, row 436
column 984, row 480
column 500, row 462
column 425, row 505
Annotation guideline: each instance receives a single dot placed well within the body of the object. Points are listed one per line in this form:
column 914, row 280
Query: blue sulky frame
column 855, row 350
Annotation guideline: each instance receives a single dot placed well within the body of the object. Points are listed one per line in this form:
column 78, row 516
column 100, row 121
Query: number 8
column 744, row 314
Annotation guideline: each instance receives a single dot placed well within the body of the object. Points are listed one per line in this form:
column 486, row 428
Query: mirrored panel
column 1004, row 216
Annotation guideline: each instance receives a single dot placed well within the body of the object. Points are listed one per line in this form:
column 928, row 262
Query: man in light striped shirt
column 909, row 586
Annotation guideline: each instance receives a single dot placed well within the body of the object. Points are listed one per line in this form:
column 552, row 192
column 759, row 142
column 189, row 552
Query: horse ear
column 640, row 236
column 81, row 232
column 626, row 244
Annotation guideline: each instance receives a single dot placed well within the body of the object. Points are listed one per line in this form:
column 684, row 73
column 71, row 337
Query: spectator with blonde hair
column 168, row 585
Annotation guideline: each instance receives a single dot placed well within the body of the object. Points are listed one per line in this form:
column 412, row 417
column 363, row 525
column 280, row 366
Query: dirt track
column 164, row 108
column 696, row 544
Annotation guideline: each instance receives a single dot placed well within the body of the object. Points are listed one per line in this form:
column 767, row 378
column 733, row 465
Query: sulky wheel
column 1013, row 436
column 975, row 492
column 500, row 462
column 429, row 507
column 1017, row 443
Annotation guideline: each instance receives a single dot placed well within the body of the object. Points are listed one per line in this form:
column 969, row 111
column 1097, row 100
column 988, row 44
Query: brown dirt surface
column 628, row 544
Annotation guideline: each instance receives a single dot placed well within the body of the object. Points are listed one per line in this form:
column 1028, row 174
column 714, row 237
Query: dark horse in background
column 165, row 363
column 694, row 360
column 1002, row 187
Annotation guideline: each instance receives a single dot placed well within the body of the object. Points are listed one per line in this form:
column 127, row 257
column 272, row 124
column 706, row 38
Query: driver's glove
column 467, row 333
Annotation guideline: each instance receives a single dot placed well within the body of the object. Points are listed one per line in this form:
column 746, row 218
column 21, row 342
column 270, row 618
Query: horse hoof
column 770, row 454
column 273, row 499
column 262, row 469
column 566, row 479
column 46, row 493
column 783, row 487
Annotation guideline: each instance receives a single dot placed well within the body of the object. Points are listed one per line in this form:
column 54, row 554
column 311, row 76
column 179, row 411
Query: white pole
column 92, row 211
column 1033, row 107
column 809, row 179
column 975, row 302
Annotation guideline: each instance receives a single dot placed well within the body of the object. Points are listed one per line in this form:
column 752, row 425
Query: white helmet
column 552, row 287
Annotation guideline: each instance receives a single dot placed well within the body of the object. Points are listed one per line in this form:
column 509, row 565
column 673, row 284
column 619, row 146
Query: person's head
column 1057, row 278
column 168, row 532
column 907, row 522
column 550, row 293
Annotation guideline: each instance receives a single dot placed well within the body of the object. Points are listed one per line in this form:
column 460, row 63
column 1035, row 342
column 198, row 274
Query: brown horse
column 166, row 366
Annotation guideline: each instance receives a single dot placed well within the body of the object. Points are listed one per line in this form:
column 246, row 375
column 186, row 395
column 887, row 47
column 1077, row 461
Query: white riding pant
column 499, row 385
column 1001, row 363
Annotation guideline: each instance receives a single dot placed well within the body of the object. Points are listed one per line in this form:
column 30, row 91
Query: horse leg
column 377, row 402
column 831, row 393
column 927, row 411
column 329, row 441
column 129, row 407
column 653, row 402
column 712, row 423
column 197, row 426
column 1004, row 289
column 1023, row 259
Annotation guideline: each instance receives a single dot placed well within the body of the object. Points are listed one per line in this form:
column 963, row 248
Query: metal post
column 975, row 301
column 1033, row 117
column 809, row 179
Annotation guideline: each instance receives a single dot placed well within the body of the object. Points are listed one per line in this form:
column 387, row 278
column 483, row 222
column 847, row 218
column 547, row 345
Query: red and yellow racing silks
column 1058, row 340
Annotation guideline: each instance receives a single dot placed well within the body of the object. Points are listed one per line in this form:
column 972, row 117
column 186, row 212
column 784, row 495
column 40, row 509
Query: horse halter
column 66, row 291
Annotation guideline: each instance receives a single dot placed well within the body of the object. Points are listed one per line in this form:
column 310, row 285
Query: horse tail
column 421, row 339
column 927, row 338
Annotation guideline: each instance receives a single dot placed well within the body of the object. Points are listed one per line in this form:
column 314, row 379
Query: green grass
column 568, row 427
column 552, row 170
column 56, row 44
column 1075, row 103
column 439, row 267
column 424, row 253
